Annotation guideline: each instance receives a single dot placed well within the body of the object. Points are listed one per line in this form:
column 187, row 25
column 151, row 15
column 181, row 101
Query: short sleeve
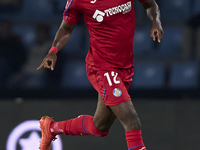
column 72, row 13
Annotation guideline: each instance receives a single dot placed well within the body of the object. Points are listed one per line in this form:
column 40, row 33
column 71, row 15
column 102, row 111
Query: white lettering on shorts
column 114, row 76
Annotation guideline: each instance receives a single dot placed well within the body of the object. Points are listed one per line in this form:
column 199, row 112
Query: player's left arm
column 153, row 12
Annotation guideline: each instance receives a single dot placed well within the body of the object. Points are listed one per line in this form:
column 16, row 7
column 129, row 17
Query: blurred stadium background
column 165, row 87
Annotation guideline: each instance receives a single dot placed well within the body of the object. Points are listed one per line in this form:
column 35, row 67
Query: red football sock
column 134, row 140
column 82, row 125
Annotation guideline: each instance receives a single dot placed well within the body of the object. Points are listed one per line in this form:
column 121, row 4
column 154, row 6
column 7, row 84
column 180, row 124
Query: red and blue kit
column 111, row 25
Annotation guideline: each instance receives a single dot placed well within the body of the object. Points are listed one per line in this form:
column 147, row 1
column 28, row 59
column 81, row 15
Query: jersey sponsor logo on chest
column 124, row 8
column 93, row 1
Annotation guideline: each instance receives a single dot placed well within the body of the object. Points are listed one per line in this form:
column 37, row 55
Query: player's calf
column 134, row 140
column 81, row 125
column 132, row 124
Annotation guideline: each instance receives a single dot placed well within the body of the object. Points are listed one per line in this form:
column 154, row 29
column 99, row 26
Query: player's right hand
column 49, row 61
column 157, row 31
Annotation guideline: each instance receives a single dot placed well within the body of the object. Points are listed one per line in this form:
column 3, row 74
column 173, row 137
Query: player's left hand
column 157, row 31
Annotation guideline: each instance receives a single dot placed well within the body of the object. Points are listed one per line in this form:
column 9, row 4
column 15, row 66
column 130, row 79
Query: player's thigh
column 127, row 115
column 103, row 117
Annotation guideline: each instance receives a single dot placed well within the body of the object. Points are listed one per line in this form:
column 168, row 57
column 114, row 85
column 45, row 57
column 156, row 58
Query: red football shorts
column 111, row 83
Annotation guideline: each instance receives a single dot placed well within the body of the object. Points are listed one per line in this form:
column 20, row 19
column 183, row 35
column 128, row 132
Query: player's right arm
column 60, row 40
column 153, row 12
column 63, row 34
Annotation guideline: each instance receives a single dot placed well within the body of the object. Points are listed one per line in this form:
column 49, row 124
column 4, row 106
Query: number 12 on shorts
column 114, row 76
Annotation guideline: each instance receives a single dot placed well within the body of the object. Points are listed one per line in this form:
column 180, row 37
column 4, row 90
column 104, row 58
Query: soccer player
column 109, row 67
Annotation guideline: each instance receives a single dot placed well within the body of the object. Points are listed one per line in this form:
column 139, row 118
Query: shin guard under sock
column 82, row 125
column 134, row 140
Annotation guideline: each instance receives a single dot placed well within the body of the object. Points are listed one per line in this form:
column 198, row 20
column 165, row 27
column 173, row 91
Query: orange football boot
column 45, row 143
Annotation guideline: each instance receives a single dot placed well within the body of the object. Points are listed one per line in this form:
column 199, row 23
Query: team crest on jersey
column 124, row 8
column 117, row 92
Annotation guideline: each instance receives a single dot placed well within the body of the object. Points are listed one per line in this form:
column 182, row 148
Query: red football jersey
column 111, row 25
